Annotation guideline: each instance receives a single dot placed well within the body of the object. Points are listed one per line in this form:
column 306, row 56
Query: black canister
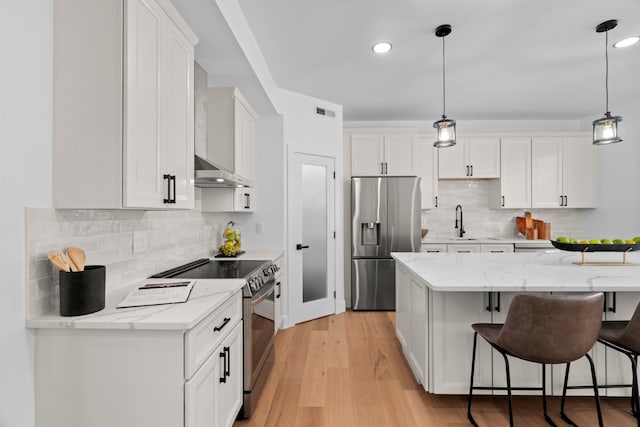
column 82, row 292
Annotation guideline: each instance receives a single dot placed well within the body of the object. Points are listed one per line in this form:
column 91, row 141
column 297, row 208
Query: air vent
column 325, row 112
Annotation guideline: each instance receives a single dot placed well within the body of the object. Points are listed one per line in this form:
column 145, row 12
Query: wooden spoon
column 56, row 259
column 77, row 257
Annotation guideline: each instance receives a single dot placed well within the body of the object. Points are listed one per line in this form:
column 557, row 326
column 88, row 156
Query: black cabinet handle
column 227, row 365
column 382, row 168
column 566, row 203
column 168, row 178
column 247, row 201
column 488, row 307
column 464, row 252
column 173, row 179
column 436, row 201
column 300, row 246
column 467, row 170
column 278, row 285
column 471, row 170
column 612, row 308
column 497, row 307
column 224, row 323
column 223, row 356
column 433, row 251
column 502, row 201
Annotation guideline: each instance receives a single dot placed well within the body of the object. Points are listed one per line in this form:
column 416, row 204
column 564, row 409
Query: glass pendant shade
column 446, row 129
column 605, row 130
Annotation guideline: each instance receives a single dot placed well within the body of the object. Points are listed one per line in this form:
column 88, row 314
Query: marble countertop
column 537, row 271
column 521, row 241
column 206, row 296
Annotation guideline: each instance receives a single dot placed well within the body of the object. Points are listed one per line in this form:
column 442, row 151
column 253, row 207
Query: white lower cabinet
column 213, row 396
column 142, row 377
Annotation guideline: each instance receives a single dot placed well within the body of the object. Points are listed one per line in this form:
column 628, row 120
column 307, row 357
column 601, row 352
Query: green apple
column 636, row 239
column 605, row 241
column 583, row 242
column 594, row 242
column 562, row 239
column 630, row 242
column 618, row 241
column 573, row 241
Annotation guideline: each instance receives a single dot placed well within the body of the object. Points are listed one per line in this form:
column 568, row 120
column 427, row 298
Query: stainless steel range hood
column 210, row 175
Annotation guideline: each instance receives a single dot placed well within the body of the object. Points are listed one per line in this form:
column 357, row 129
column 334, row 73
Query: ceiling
column 505, row 59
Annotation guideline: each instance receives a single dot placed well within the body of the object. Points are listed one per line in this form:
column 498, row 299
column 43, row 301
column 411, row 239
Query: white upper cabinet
column 231, row 131
column 563, row 172
column 378, row 153
column 471, row 157
column 390, row 152
column 515, row 173
column 123, row 105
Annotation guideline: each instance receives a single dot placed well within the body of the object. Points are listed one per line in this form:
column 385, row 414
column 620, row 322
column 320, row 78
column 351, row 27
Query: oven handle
column 269, row 290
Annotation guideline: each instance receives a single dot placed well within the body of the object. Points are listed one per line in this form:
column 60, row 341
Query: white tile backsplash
column 173, row 237
column 481, row 221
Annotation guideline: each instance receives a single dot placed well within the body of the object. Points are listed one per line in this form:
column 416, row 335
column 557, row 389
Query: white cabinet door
column 229, row 398
column 243, row 200
column 367, row 154
column 483, row 157
column 425, row 165
column 546, row 172
column 399, row 154
column 515, row 173
column 143, row 121
column 451, row 315
column 579, row 172
column 178, row 125
column 200, row 393
column 244, row 147
column 227, row 200
column 471, row 157
column 452, row 161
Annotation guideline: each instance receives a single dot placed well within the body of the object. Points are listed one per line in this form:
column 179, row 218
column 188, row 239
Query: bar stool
column 546, row 329
column 624, row 336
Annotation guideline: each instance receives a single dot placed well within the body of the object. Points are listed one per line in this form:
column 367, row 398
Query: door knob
column 300, row 246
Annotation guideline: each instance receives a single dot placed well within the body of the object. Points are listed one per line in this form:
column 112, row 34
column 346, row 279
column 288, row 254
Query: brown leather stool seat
column 624, row 336
column 545, row 329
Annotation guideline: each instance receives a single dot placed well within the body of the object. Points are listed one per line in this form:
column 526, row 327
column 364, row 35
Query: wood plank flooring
column 348, row 371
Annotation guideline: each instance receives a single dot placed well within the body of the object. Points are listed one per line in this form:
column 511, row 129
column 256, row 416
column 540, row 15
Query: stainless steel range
column 258, row 314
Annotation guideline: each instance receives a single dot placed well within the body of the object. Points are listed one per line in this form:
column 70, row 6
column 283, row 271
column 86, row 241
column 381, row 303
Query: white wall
column 618, row 213
column 25, row 173
column 309, row 133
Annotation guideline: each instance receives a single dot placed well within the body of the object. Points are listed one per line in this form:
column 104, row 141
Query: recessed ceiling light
column 381, row 47
column 219, row 179
column 627, row 42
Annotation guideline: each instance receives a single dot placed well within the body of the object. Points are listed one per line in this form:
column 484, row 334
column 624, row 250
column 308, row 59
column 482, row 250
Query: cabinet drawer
column 496, row 247
column 205, row 337
column 433, row 247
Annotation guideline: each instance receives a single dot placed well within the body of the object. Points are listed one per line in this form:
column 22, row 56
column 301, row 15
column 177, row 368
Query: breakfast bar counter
column 439, row 296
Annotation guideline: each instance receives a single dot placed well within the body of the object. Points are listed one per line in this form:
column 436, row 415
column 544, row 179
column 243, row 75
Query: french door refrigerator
column 385, row 218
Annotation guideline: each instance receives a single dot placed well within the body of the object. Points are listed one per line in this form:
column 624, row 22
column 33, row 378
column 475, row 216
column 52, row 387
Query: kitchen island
column 439, row 296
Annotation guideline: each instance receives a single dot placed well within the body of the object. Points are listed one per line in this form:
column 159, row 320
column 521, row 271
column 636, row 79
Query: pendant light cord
column 606, row 61
column 444, row 97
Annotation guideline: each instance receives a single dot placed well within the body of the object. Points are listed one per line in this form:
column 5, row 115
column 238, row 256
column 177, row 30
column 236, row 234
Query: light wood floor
column 348, row 370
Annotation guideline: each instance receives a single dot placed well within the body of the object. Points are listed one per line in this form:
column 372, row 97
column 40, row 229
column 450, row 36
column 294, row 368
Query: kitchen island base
column 433, row 319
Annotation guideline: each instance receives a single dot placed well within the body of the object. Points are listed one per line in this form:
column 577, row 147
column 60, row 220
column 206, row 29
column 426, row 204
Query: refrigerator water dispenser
column 370, row 233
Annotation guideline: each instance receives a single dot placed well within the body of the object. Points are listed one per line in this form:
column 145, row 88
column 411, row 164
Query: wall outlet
column 139, row 242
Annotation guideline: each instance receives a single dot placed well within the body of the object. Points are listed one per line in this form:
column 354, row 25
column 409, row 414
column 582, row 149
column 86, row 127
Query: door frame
column 294, row 262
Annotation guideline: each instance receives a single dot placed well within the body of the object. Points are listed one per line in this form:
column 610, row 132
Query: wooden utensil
column 77, row 257
column 58, row 259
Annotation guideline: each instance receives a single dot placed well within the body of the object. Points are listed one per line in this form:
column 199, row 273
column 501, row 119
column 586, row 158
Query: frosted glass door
column 314, row 232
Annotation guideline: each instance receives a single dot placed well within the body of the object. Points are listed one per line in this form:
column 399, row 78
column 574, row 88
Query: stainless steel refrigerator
column 385, row 218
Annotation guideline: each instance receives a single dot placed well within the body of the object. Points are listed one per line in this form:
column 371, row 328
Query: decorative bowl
column 591, row 247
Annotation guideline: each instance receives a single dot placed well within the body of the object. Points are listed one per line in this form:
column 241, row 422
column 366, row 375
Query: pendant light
column 446, row 128
column 605, row 130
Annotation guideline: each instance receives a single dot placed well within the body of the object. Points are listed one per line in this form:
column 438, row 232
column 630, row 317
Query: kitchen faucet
column 461, row 226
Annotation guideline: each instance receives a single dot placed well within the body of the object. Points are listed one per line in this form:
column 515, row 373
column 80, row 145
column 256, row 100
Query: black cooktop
column 206, row 269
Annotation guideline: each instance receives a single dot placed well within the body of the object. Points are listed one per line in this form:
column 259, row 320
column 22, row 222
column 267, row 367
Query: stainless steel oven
column 258, row 315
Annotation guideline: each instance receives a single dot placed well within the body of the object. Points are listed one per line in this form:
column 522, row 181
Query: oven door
column 259, row 315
